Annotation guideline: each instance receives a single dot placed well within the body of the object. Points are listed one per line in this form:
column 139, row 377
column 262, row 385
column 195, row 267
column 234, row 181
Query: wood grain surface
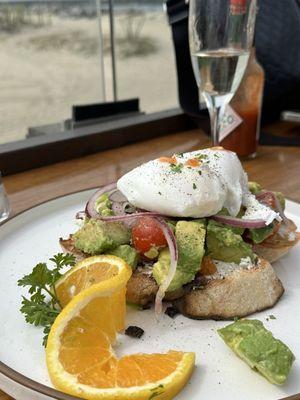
column 276, row 168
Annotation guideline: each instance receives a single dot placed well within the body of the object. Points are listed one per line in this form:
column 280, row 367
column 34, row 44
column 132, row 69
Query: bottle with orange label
column 245, row 110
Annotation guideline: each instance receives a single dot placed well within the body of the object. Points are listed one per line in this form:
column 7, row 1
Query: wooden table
column 276, row 168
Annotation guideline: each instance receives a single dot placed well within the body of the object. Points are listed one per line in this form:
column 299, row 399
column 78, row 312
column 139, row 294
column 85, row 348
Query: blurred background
column 54, row 56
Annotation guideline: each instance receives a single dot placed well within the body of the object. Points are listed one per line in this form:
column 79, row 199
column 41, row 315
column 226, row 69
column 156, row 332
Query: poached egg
column 194, row 185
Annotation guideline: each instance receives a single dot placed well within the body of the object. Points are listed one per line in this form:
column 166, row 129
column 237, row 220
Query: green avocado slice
column 254, row 344
column 258, row 235
column 127, row 253
column 96, row 237
column 223, row 244
column 190, row 237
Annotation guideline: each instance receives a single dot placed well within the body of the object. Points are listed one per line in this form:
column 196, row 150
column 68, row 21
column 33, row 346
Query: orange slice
column 79, row 353
column 86, row 273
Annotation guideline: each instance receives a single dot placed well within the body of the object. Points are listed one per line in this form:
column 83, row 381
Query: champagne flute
column 220, row 38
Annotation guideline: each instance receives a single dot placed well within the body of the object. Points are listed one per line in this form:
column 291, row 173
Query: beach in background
column 50, row 61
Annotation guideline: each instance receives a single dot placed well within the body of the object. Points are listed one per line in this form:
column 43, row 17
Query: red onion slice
column 239, row 222
column 117, row 196
column 90, row 209
column 126, row 217
column 171, row 240
column 117, row 208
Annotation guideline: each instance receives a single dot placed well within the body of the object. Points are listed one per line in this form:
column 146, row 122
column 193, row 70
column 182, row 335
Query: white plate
column 33, row 236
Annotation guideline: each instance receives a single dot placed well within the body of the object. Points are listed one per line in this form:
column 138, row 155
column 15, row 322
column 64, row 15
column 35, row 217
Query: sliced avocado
column 190, row 237
column 127, row 253
column 258, row 235
column 254, row 344
column 225, row 245
column 254, row 187
column 96, row 237
column 103, row 205
column 281, row 199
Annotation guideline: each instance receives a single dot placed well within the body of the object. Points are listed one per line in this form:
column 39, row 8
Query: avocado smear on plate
column 254, row 344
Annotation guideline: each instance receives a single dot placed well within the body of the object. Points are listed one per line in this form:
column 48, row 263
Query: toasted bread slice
column 277, row 245
column 141, row 287
column 237, row 294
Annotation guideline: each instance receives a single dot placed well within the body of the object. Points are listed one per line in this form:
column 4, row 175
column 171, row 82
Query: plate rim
column 31, row 384
column 12, row 374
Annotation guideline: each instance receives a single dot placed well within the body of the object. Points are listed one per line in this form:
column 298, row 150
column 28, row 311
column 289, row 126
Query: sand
column 39, row 85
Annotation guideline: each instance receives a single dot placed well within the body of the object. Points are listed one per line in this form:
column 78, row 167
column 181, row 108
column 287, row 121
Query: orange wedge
column 79, row 353
column 86, row 273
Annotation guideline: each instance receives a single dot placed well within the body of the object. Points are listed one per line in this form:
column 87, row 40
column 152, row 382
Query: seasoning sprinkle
column 176, row 167
column 201, row 156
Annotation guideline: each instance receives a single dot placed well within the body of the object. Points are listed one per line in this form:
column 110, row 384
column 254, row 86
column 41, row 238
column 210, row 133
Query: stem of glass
column 216, row 115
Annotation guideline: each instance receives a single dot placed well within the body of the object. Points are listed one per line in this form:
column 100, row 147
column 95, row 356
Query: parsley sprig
column 43, row 306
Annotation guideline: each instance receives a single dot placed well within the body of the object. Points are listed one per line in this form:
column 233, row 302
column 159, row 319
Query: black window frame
column 48, row 149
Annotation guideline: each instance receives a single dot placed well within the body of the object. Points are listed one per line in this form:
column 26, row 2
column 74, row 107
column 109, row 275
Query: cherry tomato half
column 146, row 234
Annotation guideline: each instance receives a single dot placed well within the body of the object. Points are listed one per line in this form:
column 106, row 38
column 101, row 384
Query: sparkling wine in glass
column 220, row 36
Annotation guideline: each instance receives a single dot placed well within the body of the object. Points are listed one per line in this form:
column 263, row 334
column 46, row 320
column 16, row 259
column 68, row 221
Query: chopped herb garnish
column 194, row 186
column 272, row 316
column 176, row 167
column 201, row 156
column 179, row 154
column 43, row 306
column 200, row 172
column 159, row 193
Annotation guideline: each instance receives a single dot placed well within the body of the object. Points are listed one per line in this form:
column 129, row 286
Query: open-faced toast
column 237, row 293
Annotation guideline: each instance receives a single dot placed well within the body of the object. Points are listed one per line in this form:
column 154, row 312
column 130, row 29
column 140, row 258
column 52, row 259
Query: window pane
column 49, row 61
column 144, row 55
